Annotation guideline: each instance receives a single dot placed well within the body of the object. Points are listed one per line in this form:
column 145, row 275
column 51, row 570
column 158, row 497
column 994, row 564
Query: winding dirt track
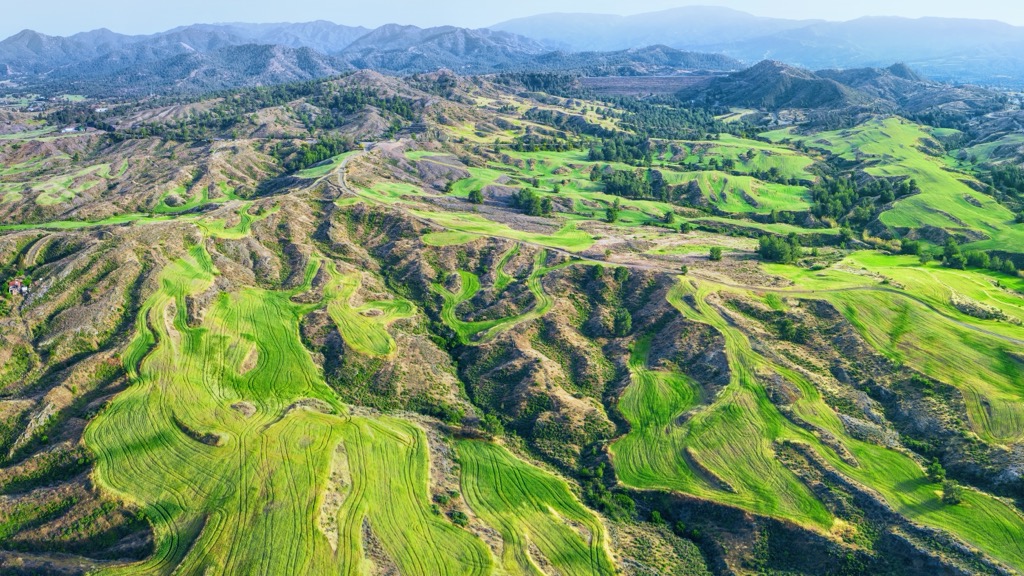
column 674, row 271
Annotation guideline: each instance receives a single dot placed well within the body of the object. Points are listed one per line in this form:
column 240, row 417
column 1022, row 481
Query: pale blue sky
column 62, row 17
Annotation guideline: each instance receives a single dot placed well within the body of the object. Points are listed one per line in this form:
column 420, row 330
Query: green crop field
column 486, row 330
column 364, row 328
column 741, row 194
column 529, row 506
column 918, row 325
column 324, row 168
column 244, row 461
column 723, row 450
column 438, row 239
column 749, row 156
column 893, row 147
column 567, row 238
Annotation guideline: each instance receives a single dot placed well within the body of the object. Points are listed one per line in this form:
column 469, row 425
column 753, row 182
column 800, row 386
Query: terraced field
column 567, row 238
column 364, row 328
column 918, row 324
column 245, row 462
column 533, row 511
column 896, row 147
column 744, row 194
column 486, row 330
column 723, row 451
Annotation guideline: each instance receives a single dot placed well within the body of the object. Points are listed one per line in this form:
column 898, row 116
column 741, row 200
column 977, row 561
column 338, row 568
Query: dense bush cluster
column 779, row 249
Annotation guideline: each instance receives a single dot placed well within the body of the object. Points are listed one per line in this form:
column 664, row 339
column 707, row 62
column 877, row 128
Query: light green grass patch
column 531, row 508
column 364, row 328
column 324, row 168
column 230, row 443
column 481, row 331
column 567, row 238
column 448, row 238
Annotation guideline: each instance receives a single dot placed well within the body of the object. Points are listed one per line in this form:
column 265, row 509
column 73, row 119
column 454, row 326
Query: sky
column 65, row 17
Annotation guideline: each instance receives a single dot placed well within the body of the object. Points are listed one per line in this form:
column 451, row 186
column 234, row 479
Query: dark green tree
column 611, row 214
column 952, row 256
column 952, row 493
column 936, row 473
column 623, row 323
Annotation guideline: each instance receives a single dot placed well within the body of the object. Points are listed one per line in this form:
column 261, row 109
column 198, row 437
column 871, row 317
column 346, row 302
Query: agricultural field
column 446, row 325
column 894, row 147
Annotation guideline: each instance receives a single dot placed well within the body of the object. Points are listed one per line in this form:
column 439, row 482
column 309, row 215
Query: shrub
column 936, row 473
column 910, row 247
column 716, row 254
column 476, row 196
column 978, row 259
column 778, row 249
column 623, row 323
column 952, row 493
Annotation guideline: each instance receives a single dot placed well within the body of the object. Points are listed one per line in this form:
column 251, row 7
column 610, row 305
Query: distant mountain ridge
column 773, row 85
column 667, row 43
column 959, row 50
column 212, row 56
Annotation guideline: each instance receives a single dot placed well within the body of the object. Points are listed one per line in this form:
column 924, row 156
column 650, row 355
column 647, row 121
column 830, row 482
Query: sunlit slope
column 724, row 450
column 245, row 463
column 897, row 147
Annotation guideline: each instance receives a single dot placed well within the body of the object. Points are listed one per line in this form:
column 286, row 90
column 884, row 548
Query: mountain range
column 208, row 57
column 982, row 51
column 204, row 57
column 773, row 85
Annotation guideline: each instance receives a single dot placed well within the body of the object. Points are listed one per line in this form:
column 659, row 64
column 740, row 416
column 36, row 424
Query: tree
column 623, row 323
column 1020, row 217
column 978, row 259
column 611, row 214
column 952, row 256
column 910, row 247
column 476, row 196
column 778, row 249
column 669, row 217
column 492, row 425
column 936, row 473
column 952, row 493
column 530, row 202
column 716, row 254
